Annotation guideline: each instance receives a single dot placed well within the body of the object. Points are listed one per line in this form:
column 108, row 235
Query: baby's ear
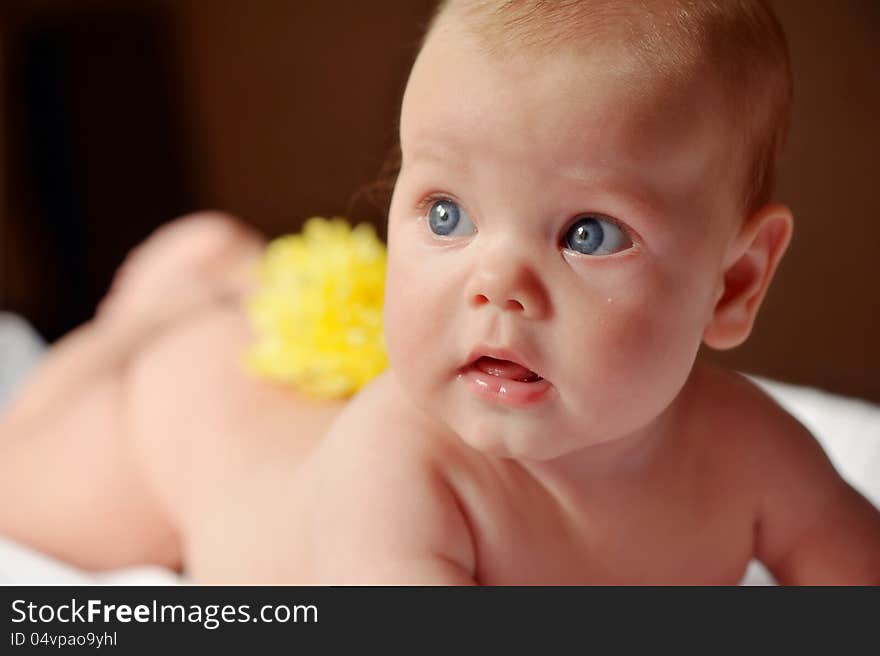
column 750, row 263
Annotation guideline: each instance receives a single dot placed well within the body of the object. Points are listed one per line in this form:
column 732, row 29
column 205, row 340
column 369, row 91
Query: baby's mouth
column 497, row 380
column 506, row 369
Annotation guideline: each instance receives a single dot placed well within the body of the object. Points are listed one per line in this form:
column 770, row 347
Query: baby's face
column 567, row 229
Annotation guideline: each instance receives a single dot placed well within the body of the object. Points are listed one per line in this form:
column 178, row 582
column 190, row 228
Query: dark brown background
column 118, row 115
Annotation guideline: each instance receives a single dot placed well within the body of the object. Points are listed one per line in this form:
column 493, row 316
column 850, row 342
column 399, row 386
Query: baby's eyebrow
column 613, row 183
column 436, row 152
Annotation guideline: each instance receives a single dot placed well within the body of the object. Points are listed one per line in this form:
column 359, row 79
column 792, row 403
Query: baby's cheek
column 654, row 342
column 414, row 334
column 642, row 351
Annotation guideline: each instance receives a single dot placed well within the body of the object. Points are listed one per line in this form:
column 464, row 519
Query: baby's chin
column 519, row 438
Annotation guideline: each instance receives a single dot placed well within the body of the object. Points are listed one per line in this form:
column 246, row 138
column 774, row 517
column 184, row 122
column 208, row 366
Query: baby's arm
column 813, row 527
column 376, row 508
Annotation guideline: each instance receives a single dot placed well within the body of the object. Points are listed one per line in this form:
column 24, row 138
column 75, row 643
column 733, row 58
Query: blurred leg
column 193, row 259
column 70, row 487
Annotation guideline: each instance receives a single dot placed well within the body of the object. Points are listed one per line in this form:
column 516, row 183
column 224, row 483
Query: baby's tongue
column 504, row 369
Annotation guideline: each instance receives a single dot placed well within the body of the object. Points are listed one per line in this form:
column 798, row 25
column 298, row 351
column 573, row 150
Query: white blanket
column 849, row 430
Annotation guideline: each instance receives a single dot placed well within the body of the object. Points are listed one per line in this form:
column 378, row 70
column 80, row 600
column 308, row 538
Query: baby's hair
column 739, row 42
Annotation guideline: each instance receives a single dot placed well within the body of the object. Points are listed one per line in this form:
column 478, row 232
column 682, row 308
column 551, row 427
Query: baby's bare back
column 218, row 446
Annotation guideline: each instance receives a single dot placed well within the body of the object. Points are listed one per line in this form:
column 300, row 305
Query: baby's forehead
column 576, row 150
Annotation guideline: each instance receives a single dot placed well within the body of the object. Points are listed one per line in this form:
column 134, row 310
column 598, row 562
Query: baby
column 582, row 201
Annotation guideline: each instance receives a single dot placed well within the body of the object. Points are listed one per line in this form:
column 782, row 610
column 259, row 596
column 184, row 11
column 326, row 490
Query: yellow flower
column 317, row 315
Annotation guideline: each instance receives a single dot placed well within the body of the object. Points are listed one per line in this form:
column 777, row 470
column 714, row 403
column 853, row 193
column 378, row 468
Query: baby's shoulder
column 810, row 524
column 378, row 474
column 735, row 417
column 382, row 418
column 391, row 446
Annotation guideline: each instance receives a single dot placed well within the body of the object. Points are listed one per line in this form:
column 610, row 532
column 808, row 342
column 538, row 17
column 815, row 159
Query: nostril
column 480, row 299
column 514, row 306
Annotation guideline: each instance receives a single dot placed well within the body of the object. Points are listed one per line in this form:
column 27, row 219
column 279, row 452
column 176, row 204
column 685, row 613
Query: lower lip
column 504, row 390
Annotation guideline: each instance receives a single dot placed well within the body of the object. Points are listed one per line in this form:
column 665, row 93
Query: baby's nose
column 511, row 285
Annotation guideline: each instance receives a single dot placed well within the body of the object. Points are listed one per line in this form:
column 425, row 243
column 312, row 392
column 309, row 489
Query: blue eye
column 445, row 217
column 591, row 235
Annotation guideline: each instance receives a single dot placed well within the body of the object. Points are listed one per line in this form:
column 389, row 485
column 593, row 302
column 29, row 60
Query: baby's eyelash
column 430, row 199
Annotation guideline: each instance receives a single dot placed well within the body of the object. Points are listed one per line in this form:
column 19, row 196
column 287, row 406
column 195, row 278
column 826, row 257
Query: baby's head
column 581, row 203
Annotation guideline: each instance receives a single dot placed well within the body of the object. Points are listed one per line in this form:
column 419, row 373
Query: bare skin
column 554, row 427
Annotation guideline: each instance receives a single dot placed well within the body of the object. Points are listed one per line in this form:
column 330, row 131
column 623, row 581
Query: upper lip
column 501, row 353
